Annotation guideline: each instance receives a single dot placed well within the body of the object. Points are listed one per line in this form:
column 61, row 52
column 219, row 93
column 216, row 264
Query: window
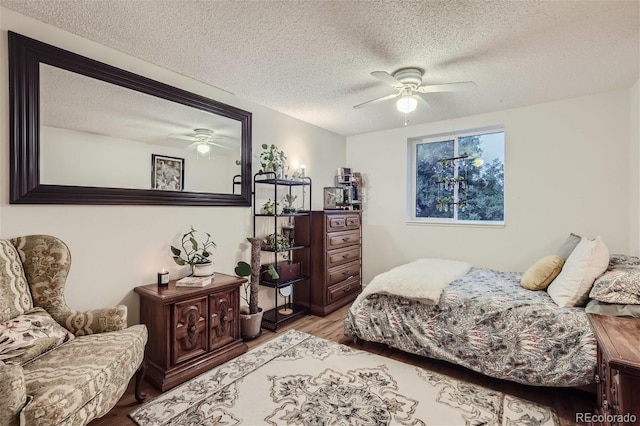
column 458, row 178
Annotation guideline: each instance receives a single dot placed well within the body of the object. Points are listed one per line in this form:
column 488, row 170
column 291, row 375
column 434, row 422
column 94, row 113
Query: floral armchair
column 58, row 366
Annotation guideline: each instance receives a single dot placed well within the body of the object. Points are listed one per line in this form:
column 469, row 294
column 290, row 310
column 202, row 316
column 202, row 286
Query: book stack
column 194, row 281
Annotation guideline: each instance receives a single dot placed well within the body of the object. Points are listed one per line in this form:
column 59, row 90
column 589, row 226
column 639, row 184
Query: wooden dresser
column 336, row 262
column 618, row 370
column 191, row 329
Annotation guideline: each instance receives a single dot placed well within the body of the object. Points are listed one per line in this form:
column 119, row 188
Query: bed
column 485, row 321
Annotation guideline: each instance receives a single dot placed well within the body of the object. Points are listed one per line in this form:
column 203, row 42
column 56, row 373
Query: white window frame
column 411, row 179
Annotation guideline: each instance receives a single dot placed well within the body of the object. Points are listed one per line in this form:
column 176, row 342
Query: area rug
column 299, row 379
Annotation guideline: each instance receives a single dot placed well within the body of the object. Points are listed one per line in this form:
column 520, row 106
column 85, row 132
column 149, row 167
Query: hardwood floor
column 566, row 401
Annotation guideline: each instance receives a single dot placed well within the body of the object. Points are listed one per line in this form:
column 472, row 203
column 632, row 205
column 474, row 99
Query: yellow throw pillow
column 541, row 273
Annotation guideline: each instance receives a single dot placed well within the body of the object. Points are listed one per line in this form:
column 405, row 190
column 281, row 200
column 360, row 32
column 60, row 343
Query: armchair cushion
column 13, row 394
column 95, row 321
column 30, row 335
column 84, row 378
column 15, row 296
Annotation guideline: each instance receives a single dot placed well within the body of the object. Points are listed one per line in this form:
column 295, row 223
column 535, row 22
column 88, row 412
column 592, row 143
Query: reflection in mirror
column 95, row 133
column 84, row 132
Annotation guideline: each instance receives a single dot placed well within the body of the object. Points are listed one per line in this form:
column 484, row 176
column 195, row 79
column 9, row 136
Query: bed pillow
column 617, row 261
column 618, row 285
column 541, row 273
column 588, row 260
column 27, row 336
column 612, row 309
column 568, row 246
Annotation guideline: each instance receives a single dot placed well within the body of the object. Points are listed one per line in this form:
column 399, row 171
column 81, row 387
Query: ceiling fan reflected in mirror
column 410, row 90
column 203, row 140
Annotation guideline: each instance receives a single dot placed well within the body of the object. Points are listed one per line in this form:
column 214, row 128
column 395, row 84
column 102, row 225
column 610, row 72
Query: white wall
column 85, row 159
column 567, row 170
column 116, row 248
column 634, row 164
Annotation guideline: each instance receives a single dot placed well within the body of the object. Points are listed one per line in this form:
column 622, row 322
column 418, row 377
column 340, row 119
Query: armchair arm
column 13, row 394
column 96, row 321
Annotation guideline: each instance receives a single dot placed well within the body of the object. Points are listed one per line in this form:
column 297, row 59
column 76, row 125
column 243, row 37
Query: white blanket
column 422, row 279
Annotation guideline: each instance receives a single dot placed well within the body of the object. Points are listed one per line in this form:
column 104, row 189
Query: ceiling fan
column 202, row 140
column 408, row 84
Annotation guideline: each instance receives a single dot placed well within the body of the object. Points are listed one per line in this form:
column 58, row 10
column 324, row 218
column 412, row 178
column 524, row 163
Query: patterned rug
column 299, row 379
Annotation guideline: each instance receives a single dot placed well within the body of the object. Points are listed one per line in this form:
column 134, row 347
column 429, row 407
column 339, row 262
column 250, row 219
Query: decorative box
column 287, row 271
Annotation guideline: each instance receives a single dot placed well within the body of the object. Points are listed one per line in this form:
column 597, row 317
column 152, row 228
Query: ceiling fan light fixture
column 203, row 148
column 407, row 104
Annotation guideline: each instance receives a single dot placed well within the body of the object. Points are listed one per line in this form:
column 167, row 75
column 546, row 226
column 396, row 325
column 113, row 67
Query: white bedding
column 422, row 279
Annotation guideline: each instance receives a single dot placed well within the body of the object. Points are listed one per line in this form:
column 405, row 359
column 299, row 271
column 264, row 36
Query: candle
column 163, row 278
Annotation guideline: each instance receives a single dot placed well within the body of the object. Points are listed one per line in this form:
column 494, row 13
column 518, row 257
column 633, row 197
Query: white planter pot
column 250, row 324
column 203, row 269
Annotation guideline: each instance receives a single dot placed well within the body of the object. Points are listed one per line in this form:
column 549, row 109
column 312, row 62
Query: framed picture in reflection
column 167, row 173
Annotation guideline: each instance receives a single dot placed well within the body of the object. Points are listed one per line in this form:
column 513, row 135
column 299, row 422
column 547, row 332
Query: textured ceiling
column 312, row 59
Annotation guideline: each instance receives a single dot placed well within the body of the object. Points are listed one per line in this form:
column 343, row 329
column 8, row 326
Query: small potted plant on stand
column 273, row 159
column 289, row 199
column 251, row 315
column 195, row 254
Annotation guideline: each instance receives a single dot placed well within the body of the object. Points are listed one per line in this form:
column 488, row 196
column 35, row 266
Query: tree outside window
column 459, row 178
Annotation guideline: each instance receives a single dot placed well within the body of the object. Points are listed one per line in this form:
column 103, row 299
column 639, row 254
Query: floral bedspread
column 487, row 322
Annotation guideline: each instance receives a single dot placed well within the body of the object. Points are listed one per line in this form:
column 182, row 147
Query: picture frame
column 333, row 198
column 167, row 173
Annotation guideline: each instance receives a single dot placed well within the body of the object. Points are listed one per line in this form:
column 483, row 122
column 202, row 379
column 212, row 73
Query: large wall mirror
column 84, row 132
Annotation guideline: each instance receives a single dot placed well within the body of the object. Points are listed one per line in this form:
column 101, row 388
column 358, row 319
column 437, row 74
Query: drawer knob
column 346, row 289
column 345, row 256
column 192, row 328
column 345, row 239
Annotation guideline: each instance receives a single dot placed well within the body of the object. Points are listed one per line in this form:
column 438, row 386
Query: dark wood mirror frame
column 25, row 56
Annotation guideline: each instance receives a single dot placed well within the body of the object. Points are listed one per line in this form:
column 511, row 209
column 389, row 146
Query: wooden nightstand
column 191, row 330
column 618, row 369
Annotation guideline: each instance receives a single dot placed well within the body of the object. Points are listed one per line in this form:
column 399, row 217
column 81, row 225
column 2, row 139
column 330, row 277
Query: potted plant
column 251, row 315
column 195, row 254
column 289, row 199
column 275, row 242
column 272, row 159
column 270, row 207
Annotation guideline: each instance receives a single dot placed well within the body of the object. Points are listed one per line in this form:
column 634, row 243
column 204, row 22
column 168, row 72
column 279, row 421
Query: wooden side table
column 191, row 329
column 618, row 369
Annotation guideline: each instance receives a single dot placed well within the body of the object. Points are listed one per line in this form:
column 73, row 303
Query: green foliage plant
column 193, row 252
column 272, row 159
column 243, row 269
column 289, row 199
column 276, row 242
column 270, row 207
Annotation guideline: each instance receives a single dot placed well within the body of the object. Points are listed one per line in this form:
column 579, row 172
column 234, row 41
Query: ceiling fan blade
column 449, row 87
column 423, row 101
column 183, row 137
column 373, row 101
column 218, row 145
column 387, row 78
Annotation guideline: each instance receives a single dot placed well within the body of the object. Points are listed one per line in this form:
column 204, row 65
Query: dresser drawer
column 343, row 255
column 342, row 222
column 340, row 290
column 343, row 272
column 342, row 239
